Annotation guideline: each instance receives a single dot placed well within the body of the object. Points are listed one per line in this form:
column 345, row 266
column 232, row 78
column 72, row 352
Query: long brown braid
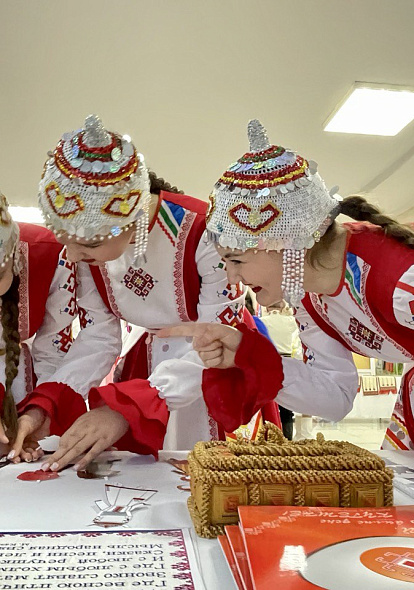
column 11, row 337
column 159, row 184
column 359, row 209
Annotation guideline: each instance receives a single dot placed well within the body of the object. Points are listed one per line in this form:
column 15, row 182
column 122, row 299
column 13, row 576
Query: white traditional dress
column 371, row 313
column 183, row 280
column 47, row 308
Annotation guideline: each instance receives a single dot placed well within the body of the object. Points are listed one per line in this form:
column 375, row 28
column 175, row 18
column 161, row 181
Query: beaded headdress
column 95, row 184
column 9, row 236
column 272, row 199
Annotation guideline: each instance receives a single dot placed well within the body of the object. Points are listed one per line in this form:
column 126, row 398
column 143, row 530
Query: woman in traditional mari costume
column 273, row 222
column 144, row 258
column 37, row 290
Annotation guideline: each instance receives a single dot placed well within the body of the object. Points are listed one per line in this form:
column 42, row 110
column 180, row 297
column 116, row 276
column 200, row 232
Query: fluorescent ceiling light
column 373, row 109
column 27, row 214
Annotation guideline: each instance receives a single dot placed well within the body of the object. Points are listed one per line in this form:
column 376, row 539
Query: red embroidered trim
column 367, row 311
column 396, row 440
column 314, row 299
column 111, row 297
column 70, row 283
column 179, row 266
column 213, row 428
column 165, row 231
column 64, row 339
column 351, row 296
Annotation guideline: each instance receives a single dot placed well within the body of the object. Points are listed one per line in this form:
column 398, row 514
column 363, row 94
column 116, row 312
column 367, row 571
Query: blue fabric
column 177, row 211
column 261, row 327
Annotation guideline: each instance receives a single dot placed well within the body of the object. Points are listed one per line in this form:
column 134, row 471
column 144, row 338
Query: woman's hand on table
column 32, row 426
column 90, row 435
column 216, row 344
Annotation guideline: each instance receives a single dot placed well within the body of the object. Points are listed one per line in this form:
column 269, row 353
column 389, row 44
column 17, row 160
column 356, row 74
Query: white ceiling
column 183, row 77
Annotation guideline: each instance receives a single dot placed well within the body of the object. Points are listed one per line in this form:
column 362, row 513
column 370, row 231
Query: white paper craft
column 120, row 502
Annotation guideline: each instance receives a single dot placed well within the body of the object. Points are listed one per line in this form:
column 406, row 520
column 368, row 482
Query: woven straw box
column 275, row 471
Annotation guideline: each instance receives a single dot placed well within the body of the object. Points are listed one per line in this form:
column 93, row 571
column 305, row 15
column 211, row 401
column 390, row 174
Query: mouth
column 256, row 289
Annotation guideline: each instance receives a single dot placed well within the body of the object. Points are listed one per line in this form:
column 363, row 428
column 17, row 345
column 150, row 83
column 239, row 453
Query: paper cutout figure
column 120, row 502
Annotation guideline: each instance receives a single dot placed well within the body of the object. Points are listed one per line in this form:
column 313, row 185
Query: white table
column 66, row 504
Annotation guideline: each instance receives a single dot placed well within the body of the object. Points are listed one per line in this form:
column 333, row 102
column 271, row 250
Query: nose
column 74, row 253
column 233, row 275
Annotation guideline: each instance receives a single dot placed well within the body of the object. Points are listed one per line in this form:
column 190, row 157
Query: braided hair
column 159, row 184
column 11, row 337
column 359, row 209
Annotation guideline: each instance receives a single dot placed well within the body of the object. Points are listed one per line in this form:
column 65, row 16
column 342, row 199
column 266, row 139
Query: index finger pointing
column 187, row 329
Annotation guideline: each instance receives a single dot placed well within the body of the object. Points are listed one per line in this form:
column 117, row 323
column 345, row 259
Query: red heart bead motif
column 58, row 201
column 256, row 219
column 122, row 205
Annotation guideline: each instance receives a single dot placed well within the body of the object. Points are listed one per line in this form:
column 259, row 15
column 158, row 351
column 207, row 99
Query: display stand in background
column 378, row 387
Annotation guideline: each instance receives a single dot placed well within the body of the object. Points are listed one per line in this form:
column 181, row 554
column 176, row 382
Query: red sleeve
column 60, row 402
column 234, row 395
column 146, row 413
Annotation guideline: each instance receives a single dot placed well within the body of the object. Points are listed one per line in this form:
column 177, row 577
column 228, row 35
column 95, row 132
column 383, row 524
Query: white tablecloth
column 66, row 504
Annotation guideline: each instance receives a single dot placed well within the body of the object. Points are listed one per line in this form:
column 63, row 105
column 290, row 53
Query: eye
column 236, row 261
column 91, row 246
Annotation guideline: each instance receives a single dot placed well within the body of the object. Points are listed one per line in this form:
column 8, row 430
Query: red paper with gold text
column 298, row 548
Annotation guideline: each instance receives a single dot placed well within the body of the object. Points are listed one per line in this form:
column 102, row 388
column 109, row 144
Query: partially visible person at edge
column 273, row 222
column 142, row 256
column 286, row 416
column 37, row 290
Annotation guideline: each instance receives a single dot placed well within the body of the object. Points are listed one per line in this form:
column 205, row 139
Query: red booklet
column 228, row 554
column 236, row 543
column 300, row 547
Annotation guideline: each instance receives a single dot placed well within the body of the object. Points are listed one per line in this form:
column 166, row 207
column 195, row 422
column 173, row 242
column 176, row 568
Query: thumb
column 24, row 428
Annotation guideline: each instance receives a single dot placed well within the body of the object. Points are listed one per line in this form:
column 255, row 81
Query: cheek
column 73, row 251
column 111, row 250
column 5, row 284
